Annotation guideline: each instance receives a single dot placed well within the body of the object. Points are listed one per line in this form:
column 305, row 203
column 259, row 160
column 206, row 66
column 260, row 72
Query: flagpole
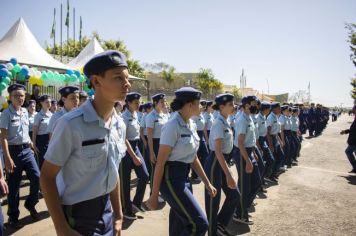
column 67, row 30
column 54, row 35
column 74, row 25
column 61, row 34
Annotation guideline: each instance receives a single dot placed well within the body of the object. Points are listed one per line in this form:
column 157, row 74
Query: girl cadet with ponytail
column 179, row 144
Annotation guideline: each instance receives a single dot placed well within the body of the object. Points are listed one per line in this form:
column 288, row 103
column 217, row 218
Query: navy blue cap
column 284, row 107
column 275, row 105
column 31, row 102
column 83, row 94
column 223, row 98
column 209, row 103
column 43, row 98
column 148, row 105
column 104, row 61
column 203, row 102
column 258, row 102
column 132, row 96
column 187, row 94
column 295, row 109
column 265, row 105
column 14, row 87
column 158, row 97
column 248, row 99
column 65, row 91
column 54, row 102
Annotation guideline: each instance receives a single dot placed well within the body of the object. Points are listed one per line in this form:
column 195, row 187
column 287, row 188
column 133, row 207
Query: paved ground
column 318, row 197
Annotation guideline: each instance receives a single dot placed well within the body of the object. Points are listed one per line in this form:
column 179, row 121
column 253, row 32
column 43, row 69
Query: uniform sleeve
column 218, row 131
column 142, row 122
column 242, row 127
column 150, row 121
column 51, row 122
column 37, row 119
column 282, row 120
column 4, row 120
column 169, row 134
column 269, row 121
column 61, row 144
column 126, row 120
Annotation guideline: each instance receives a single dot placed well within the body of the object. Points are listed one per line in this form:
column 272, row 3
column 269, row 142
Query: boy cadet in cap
column 54, row 106
column 40, row 135
column 132, row 160
column 83, row 97
column 249, row 179
column 179, row 144
column 31, row 108
column 70, row 99
column 296, row 134
column 16, row 145
column 148, row 107
column 85, row 149
column 217, row 170
column 209, row 119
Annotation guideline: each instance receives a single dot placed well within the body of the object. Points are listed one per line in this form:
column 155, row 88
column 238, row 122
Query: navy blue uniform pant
column 202, row 151
column 248, row 183
column 185, row 216
column 267, row 156
column 92, row 217
column 126, row 166
column 217, row 178
column 155, row 150
column 278, row 154
column 24, row 160
column 42, row 145
column 350, row 153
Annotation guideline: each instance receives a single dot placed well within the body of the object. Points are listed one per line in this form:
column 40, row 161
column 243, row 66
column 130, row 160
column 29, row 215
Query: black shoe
column 263, row 190
column 15, row 224
column 241, row 220
column 33, row 213
column 130, row 216
column 222, row 230
column 353, row 171
column 138, row 208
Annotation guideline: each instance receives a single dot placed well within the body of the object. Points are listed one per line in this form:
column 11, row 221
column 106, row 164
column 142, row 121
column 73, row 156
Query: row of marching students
column 260, row 140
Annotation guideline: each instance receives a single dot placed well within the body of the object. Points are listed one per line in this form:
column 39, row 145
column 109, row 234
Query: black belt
column 20, row 146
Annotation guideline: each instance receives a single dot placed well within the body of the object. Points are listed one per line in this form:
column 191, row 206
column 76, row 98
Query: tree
column 207, row 83
column 236, row 92
column 352, row 40
column 169, row 75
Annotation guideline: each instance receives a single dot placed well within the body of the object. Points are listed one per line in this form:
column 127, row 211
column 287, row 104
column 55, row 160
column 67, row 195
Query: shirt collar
column 90, row 114
column 222, row 119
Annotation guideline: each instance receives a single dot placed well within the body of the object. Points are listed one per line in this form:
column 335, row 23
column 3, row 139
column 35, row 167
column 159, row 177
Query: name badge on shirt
column 156, row 121
column 185, row 135
column 226, row 131
column 92, row 142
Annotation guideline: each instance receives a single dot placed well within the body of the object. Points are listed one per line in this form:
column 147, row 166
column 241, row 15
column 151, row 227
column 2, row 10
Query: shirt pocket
column 94, row 155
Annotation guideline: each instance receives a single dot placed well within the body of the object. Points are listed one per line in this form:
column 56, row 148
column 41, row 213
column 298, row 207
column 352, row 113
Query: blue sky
column 287, row 42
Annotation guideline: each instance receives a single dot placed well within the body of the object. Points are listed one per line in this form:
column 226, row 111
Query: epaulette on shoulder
column 73, row 114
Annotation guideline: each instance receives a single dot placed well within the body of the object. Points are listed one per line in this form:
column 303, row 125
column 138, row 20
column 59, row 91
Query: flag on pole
column 309, row 85
column 53, row 32
column 67, row 18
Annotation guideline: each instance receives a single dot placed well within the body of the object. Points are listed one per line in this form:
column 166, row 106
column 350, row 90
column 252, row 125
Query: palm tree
column 169, row 75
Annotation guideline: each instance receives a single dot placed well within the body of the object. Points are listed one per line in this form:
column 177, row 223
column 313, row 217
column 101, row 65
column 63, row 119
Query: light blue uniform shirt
column 255, row 122
column 139, row 116
column 182, row 137
column 199, row 122
column 16, row 124
column 209, row 119
column 215, row 114
column 31, row 120
column 245, row 126
column 272, row 121
column 285, row 121
column 42, row 122
column 132, row 125
column 54, row 119
column 88, row 153
column 156, row 121
column 294, row 123
column 221, row 130
column 262, row 125
column 143, row 124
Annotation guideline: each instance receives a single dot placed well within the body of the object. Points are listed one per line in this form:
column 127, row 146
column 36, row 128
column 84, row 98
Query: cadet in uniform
column 31, row 114
column 148, row 107
column 203, row 149
column 274, row 141
column 70, row 99
column 40, row 135
column 296, row 134
column 132, row 160
column 217, row 170
column 285, row 134
column 16, row 146
column 54, row 106
column 84, row 154
column 83, row 97
column 154, row 123
column 179, row 144
column 209, row 118
column 244, row 144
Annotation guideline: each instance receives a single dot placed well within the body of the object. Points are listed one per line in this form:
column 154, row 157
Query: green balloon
column 6, row 80
column 2, row 86
column 17, row 68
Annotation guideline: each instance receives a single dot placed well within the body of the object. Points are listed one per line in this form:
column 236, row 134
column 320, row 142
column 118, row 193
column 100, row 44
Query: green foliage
column 237, row 93
column 207, row 83
column 169, row 74
column 352, row 40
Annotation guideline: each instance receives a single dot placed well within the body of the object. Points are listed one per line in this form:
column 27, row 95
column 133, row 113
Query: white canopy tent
column 86, row 54
column 20, row 43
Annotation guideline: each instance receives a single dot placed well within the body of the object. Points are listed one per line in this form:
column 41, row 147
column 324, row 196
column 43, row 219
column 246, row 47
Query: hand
column 342, row 132
column 153, row 157
column 282, row 143
column 9, row 165
column 231, row 183
column 211, row 190
column 137, row 161
column 117, row 227
column 145, row 144
column 35, row 149
column 152, row 203
column 249, row 167
column 271, row 148
column 255, row 156
column 4, row 189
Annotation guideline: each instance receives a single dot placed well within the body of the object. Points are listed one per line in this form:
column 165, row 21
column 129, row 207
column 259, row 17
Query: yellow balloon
column 81, row 70
column 5, row 105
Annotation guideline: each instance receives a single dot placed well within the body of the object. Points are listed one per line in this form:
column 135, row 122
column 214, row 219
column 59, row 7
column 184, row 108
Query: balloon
column 6, row 80
column 44, row 76
column 67, row 78
column 50, row 74
column 32, row 71
column 20, row 77
column 9, row 66
column 2, row 86
column 70, row 72
column 24, row 71
column 77, row 73
column 4, row 72
column 13, row 61
column 81, row 70
column 38, row 74
column 17, row 68
column 2, row 66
